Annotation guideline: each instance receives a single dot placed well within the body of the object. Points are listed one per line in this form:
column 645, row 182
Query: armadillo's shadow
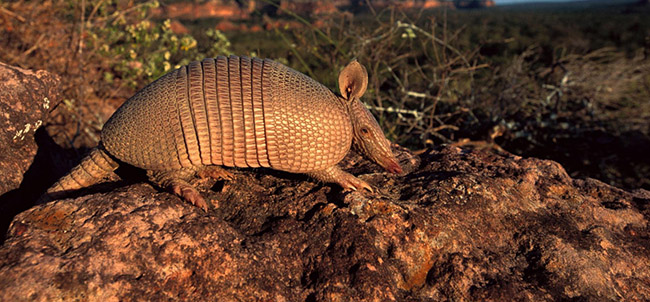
column 35, row 181
column 49, row 164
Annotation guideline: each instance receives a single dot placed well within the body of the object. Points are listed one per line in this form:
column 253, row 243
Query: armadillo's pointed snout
column 394, row 168
column 391, row 165
column 388, row 161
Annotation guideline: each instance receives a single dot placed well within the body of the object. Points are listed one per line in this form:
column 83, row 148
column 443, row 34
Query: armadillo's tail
column 93, row 168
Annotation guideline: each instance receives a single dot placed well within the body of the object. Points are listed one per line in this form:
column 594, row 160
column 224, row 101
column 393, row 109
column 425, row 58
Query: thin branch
column 12, row 14
column 34, row 47
column 441, row 42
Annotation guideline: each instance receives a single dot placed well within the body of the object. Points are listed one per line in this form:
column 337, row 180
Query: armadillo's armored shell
column 236, row 112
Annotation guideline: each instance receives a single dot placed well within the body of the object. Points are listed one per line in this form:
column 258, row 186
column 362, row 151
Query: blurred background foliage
column 567, row 83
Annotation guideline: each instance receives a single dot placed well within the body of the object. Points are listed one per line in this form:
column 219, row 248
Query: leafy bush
column 140, row 51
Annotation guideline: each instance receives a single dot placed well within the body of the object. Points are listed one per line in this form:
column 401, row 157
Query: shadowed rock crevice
column 26, row 99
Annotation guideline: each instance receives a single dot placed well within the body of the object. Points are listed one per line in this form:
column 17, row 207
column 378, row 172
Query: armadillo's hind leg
column 214, row 172
column 347, row 181
column 177, row 181
column 93, row 168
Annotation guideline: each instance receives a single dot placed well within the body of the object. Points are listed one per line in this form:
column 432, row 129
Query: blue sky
column 524, row 1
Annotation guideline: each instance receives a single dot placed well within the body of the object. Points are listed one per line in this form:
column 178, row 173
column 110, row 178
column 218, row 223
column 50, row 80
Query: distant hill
column 575, row 4
column 241, row 9
column 473, row 3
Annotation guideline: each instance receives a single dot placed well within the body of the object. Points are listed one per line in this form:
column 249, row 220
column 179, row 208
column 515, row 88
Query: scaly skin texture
column 93, row 168
column 240, row 112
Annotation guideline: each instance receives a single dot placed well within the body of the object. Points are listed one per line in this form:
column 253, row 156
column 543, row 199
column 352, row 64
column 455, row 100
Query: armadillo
column 236, row 112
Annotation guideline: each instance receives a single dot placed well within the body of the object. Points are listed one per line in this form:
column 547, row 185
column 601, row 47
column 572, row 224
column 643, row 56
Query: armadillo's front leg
column 334, row 174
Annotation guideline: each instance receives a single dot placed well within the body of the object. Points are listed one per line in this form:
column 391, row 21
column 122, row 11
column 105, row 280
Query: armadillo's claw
column 367, row 186
column 189, row 193
column 177, row 182
column 346, row 180
column 352, row 183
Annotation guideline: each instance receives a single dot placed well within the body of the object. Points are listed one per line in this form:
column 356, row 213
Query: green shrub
column 138, row 50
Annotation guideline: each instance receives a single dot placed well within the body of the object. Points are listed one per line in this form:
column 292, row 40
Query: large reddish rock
column 26, row 98
column 460, row 225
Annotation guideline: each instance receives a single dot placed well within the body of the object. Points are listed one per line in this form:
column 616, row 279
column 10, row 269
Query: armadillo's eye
column 365, row 131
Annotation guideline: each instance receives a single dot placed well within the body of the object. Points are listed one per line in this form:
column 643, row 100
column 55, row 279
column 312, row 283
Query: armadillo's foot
column 177, row 181
column 346, row 180
column 352, row 183
column 215, row 172
column 189, row 193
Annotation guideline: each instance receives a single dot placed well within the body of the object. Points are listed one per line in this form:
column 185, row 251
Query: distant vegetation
column 569, row 83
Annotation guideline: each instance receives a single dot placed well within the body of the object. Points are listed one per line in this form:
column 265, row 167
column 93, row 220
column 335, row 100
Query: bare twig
column 12, row 14
column 34, row 47
column 82, row 27
column 292, row 47
column 430, row 36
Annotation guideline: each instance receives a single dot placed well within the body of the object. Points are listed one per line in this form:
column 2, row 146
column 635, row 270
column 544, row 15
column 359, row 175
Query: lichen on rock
column 23, row 95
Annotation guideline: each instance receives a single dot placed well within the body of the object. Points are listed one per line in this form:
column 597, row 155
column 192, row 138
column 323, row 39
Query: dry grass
column 429, row 86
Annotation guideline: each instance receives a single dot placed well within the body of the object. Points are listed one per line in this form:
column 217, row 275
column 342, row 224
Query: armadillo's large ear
column 353, row 80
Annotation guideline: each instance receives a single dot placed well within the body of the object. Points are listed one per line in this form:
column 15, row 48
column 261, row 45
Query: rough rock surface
column 460, row 225
column 26, row 98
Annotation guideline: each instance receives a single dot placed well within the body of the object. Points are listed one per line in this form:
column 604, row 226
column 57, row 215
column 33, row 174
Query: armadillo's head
column 367, row 136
